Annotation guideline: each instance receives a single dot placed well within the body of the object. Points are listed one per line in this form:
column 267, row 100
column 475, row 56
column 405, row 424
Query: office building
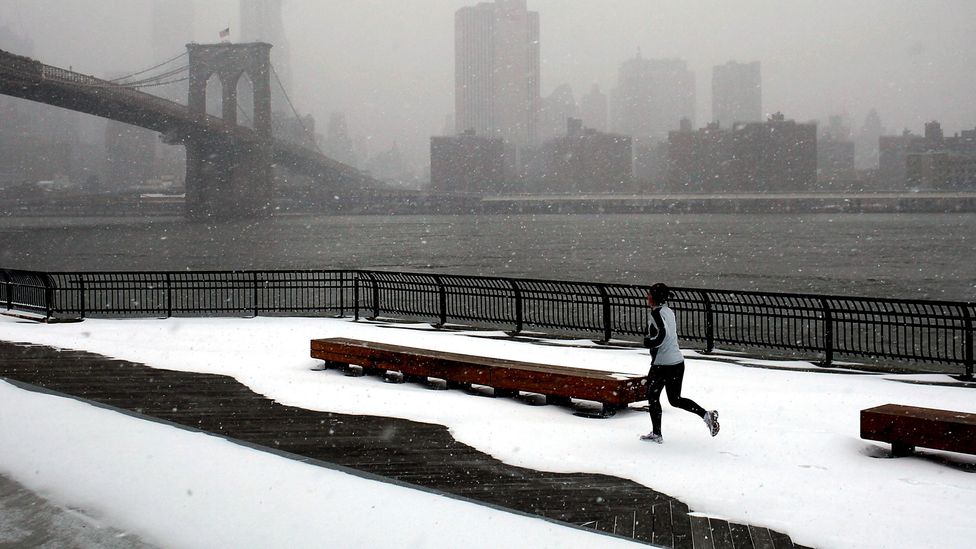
column 586, row 161
column 778, row 155
column 594, row 109
column 736, row 93
column 467, row 163
column 497, row 71
column 651, row 98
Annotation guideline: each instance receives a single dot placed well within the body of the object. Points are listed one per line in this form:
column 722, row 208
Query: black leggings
column 668, row 377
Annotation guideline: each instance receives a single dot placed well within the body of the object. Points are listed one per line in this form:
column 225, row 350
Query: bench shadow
column 952, row 460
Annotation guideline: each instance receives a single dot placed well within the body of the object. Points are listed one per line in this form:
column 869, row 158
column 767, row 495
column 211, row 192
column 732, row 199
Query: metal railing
column 938, row 332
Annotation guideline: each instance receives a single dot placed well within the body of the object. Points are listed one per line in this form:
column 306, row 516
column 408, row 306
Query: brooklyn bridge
column 229, row 167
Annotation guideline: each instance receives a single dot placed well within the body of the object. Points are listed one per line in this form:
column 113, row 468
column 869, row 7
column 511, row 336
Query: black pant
column 668, row 377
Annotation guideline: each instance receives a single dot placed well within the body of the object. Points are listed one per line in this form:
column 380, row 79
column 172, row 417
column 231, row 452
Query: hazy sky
column 388, row 64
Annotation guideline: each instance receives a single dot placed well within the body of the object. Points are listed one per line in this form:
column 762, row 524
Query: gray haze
column 388, row 65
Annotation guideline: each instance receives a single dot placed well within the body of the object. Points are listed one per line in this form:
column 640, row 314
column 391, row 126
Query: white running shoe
column 711, row 421
column 653, row 437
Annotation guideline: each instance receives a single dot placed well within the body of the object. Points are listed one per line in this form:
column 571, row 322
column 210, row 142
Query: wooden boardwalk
column 418, row 453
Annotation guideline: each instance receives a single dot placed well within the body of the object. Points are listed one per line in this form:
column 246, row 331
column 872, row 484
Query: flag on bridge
column 225, row 34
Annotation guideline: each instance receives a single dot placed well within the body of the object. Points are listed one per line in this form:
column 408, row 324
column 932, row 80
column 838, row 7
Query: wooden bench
column 906, row 427
column 559, row 384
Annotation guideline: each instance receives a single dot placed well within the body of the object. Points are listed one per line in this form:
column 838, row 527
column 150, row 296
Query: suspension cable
column 168, row 61
column 295, row 111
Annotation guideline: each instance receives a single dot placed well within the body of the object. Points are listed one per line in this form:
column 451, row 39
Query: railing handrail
column 937, row 331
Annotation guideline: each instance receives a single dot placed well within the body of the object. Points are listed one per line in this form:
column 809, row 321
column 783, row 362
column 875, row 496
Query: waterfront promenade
column 788, row 459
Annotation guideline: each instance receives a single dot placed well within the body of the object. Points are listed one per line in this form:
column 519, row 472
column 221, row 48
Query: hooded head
column 659, row 293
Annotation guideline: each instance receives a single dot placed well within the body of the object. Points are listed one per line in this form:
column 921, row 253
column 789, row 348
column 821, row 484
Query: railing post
column 81, row 297
column 376, row 294
column 355, row 296
column 518, row 304
column 607, row 317
column 7, row 288
column 709, row 323
column 828, row 321
column 441, row 301
column 48, row 295
column 342, row 293
column 169, row 296
column 968, row 339
column 254, row 291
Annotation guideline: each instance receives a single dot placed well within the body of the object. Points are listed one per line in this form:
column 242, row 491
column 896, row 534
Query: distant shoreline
column 418, row 203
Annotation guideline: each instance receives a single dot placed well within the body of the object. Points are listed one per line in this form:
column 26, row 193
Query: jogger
column 667, row 365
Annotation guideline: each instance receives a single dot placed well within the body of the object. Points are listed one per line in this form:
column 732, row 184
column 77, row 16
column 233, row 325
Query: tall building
column 594, row 110
column 736, row 93
column 556, row 109
column 936, row 162
column 261, row 22
column 778, row 155
column 497, row 71
column 835, row 155
column 467, row 163
column 866, row 151
column 338, row 144
column 587, row 161
column 651, row 98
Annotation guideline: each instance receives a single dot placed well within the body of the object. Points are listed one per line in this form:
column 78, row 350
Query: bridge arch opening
column 215, row 95
column 245, row 100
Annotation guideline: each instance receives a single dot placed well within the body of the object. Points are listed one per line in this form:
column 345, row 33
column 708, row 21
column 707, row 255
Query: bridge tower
column 225, row 182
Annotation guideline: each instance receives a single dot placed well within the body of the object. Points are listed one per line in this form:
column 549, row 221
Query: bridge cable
column 168, row 61
column 295, row 111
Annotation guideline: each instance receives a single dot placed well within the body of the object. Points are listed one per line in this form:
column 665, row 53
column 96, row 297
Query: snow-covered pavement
column 789, row 456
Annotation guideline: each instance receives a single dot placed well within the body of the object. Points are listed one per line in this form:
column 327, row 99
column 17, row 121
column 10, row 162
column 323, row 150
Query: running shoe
column 711, row 421
column 653, row 437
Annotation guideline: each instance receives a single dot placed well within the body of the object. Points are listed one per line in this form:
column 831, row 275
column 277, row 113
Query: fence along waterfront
column 939, row 332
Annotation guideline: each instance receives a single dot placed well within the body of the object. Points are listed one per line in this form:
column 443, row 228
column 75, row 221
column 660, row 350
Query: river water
column 915, row 256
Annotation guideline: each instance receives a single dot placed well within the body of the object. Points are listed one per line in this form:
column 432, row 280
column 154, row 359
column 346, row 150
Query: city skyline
column 389, row 67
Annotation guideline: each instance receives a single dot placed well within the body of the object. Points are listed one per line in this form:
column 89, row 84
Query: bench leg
column 899, row 449
column 505, row 393
column 414, row 379
column 327, row 364
column 458, row 385
column 394, row 377
column 559, row 400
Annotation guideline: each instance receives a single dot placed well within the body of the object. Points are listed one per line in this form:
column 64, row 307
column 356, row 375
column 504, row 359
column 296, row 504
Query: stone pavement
column 27, row 520
column 421, row 454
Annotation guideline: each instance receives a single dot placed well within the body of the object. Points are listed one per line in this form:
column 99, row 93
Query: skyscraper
column 593, row 109
column 496, row 71
column 736, row 93
column 651, row 98
column 261, row 22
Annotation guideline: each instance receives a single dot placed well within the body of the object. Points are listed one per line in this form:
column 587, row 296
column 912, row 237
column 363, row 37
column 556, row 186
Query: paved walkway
column 27, row 520
column 418, row 453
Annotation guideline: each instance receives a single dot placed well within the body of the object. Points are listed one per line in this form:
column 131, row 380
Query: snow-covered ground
column 789, row 456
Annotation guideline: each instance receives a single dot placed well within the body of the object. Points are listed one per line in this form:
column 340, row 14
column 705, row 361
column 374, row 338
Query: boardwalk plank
column 663, row 530
column 721, row 534
column 701, row 533
column 761, row 538
column 644, row 523
column 741, row 539
column 681, row 525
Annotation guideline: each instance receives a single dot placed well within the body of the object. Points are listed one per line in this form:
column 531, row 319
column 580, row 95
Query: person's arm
column 662, row 330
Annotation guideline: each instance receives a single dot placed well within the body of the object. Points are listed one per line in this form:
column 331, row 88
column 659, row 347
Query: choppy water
column 926, row 256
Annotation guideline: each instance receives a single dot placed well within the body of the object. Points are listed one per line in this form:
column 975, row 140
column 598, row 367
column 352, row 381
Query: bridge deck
column 418, row 453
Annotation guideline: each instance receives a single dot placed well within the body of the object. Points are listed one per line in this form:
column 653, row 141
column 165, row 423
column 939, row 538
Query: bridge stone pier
column 225, row 180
